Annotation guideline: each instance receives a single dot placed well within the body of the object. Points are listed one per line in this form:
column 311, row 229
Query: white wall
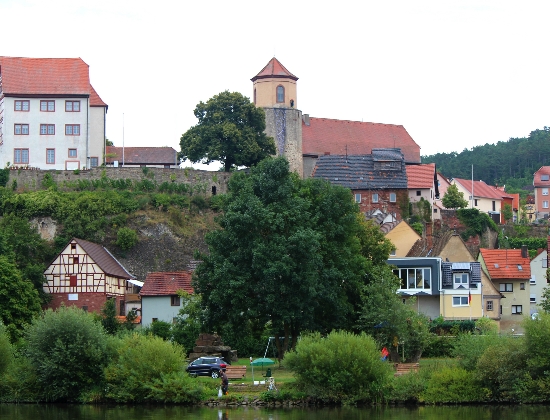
column 157, row 307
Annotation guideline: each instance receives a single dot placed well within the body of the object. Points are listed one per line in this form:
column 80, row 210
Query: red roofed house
column 541, row 182
column 160, row 300
column 510, row 272
column 422, row 184
column 50, row 115
column 485, row 198
column 303, row 139
column 155, row 157
column 86, row 275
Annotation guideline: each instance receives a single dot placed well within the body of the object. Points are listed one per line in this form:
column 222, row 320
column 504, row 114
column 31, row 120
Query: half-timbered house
column 86, row 275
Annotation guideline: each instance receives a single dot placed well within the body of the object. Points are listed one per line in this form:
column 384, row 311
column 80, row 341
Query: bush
column 405, row 388
column 452, row 385
column 19, row 382
column 133, row 375
column 468, row 348
column 341, row 367
column 160, row 329
column 537, row 336
column 6, row 350
column 126, row 238
column 68, row 350
column 176, row 388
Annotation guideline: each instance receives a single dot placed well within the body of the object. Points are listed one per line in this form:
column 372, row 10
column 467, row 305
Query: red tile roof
column 95, row 100
column 274, row 69
column 143, row 155
column 166, row 283
column 504, row 264
column 420, row 176
column 340, row 137
column 44, row 76
column 104, row 259
column 481, row 189
column 537, row 181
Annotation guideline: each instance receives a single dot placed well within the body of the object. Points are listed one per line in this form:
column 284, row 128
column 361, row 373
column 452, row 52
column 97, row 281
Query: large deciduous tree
column 289, row 254
column 230, row 129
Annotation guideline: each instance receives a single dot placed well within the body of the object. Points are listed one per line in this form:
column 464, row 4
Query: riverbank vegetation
column 68, row 356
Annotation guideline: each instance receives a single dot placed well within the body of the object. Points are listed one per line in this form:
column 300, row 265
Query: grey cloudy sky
column 456, row 74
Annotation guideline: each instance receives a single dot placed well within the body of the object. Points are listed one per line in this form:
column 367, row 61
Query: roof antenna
column 346, row 153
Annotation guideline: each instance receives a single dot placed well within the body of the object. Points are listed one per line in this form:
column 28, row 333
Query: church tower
column 275, row 92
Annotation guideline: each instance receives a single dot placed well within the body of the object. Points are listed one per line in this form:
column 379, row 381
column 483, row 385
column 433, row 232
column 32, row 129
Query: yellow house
column 402, row 236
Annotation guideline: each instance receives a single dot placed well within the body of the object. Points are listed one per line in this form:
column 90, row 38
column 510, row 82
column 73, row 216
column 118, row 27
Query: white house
column 50, row 115
column 160, row 300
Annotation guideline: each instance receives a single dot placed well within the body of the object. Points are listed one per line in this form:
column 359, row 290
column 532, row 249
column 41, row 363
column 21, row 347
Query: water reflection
column 88, row 412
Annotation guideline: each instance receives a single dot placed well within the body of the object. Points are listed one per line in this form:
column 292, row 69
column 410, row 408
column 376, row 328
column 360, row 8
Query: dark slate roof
column 104, row 259
column 358, row 172
column 448, row 268
column 166, row 283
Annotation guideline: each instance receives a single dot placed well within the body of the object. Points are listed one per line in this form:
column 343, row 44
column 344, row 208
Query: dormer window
column 461, row 280
column 545, row 177
column 280, row 94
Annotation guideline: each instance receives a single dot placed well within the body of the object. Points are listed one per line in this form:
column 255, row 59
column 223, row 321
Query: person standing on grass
column 225, row 383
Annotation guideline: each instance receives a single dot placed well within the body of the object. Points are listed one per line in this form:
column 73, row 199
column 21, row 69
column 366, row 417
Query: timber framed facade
column 86, row 275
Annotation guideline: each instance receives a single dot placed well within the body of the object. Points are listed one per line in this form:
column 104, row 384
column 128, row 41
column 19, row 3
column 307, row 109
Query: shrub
column 452, row 385
column 537, row 336
column 108, row 319
column 175, row 387
column 160, row 329
column 468, row 348
column 341, row 367
column 140, row 362
column 19, row 382
column 405, row 388
column 67, row 348
column 126, row 238
column 6, row 350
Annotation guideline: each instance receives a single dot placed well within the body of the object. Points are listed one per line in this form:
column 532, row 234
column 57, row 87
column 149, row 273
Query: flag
column 469, row 297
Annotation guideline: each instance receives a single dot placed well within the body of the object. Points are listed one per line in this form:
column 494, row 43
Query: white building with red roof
column 160, row 295
column 485, row 198
column 50, row 115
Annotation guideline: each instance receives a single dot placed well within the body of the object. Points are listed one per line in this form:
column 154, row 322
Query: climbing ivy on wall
column 476, row 222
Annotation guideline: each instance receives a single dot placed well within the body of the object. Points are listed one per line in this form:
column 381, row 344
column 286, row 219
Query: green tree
column 454, row 199
column 126, row 238
column 507, row 213
column 545, row 301
column 109, row 320
column 68, row 349
column 230, row 129
column 188, row 323
column 288, row 253
column 19, row 300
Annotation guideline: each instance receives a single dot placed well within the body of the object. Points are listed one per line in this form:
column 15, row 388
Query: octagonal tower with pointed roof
column 275, row 92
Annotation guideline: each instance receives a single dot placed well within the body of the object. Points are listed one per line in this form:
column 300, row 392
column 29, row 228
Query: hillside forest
column 511, row 163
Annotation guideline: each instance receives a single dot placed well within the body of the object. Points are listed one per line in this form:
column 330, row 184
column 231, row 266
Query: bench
column 403, row 368
column 235, row 372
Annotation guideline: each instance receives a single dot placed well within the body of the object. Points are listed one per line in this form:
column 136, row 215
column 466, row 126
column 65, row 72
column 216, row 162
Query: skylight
column 496, row 265
column 520, row 268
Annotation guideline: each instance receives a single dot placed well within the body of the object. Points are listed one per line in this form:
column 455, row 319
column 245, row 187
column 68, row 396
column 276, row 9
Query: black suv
column 207, row 366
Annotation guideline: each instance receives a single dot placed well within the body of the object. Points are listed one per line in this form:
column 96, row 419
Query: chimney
column 524, row 253
column 429, row 235
column 305, row 118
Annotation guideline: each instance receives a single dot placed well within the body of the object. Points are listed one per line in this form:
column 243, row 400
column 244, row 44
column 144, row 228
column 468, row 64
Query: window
column 533, row 298
column 72, row 280
column 47, row 106
column 20, row 155
column 414, row 278
column 280, row 94
column 50, row 155
column 72, row 129
column 461, row 280
column 94, row 163
column 357, row 198
column 461, row 301
column 73, row 246
column 533, row 280
column 375, row 198
column 545, row 204
column 392, row 252
column 545, row 191
column 418, row 193
column 494, row 205
column 47, row 129
column 489, row 305
column 545, row 177
column 21, row 106
column 435, row 210
column 75, row 260
column 175, row 301
column 72, row 106
column 475, row 202
column 517, row 309
column 21, row 129
column 393, row 198
column 506, row 287
column 522, row 286
column 72, row 153
column 155, row 319
column 545, row 263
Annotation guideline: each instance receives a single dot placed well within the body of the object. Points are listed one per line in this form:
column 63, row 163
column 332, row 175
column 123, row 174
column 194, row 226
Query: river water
column 101, row 412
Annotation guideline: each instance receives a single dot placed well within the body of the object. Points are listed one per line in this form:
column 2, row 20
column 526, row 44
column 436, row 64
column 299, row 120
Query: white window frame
column 545, row 204
column 506, row 287
column 461, row 301
column 517, row 309
column 533, row 298
column 545, row 191
column 461, row 279
column 375, row 198
column 545, row 263
column 358, row 198
column 393, row 197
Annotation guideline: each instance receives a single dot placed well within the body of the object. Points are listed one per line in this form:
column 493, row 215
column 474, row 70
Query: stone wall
column 285, row 126
column 204, row 182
